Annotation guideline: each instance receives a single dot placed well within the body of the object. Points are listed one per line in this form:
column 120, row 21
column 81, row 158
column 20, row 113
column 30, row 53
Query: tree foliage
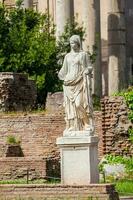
column 27, row 45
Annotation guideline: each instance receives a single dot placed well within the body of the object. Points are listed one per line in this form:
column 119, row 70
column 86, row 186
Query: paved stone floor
column 126, row 198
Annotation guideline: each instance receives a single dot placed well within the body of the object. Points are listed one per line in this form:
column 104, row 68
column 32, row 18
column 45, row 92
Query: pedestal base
column 79, row 160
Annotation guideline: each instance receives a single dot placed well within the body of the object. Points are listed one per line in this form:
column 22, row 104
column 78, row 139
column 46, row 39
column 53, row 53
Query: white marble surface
column 76, row 74
column 78, row 146
column 85, row 133
column 79, row 140
column 79, row 160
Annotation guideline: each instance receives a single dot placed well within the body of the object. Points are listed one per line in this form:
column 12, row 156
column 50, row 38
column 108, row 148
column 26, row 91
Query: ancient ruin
column 17, row 93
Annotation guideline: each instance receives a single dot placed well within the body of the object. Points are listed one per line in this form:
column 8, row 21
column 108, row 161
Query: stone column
column 116, row 45
column 91, row 23
column 105, row 9
column 64, row 12
column 42, row 6
column 129, row 41
column 27, row 4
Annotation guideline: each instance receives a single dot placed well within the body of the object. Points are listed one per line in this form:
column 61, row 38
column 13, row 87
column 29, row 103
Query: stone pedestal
column 79, row 159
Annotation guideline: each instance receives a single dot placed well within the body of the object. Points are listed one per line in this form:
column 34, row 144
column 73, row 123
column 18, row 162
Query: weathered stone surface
column 64, row 12
column 54, row 102
column 51, row 191
column 91, row 23
column 79, row 159
column 116, row 46
column 115, row 134
column 17, row 93
column 14, row 168
column 38, row 133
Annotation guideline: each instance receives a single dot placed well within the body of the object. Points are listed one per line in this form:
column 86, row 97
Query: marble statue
column 76, row 74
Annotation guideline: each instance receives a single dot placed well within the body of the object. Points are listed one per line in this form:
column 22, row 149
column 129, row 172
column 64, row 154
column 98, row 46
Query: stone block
column 17, row 93
column 58, row 191
column 79, row 160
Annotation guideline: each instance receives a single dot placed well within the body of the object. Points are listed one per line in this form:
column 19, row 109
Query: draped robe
column 75, row 89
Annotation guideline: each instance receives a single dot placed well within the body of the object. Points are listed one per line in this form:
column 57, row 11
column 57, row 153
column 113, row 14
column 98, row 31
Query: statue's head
column 75, row 39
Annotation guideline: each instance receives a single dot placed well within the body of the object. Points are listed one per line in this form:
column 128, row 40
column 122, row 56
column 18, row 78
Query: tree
column 28, row 45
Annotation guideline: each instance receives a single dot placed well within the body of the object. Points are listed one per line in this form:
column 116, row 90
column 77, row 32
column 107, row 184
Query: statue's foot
column 69, row 129
column 88, row 127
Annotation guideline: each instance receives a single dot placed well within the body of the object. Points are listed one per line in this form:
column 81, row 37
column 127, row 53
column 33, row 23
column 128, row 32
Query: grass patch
column 124, row 187
column 24, row 181
column 24, row 113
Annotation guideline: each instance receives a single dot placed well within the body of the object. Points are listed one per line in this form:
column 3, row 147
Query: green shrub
column 124, row 187
column 126, row 161
column 130, row 132
column 12, row 140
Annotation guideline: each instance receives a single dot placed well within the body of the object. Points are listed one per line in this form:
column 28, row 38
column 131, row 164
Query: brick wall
column 37, row 132
column 13, row 168
column 115, row 125
column 17, row 93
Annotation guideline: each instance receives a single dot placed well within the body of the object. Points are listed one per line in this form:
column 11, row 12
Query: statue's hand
column 88, row 71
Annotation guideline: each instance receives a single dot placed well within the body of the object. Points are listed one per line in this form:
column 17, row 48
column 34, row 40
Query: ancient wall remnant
column 37, row 132
column 54, row 102
column 14, row 168
column 115, row 125
column 17, row 93
column 59, row 191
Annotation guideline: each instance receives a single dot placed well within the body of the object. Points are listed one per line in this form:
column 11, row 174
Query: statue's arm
column 63, row 71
